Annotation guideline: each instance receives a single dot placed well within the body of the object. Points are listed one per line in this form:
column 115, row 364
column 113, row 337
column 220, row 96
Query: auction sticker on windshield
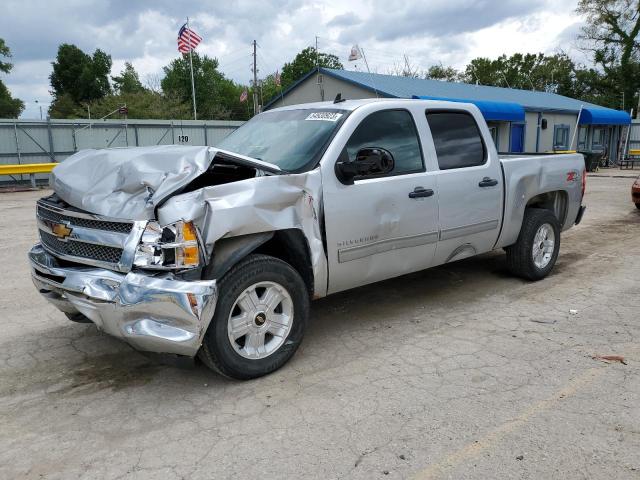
column 326, row 116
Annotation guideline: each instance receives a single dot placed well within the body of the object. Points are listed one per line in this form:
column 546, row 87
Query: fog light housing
column 174, row 246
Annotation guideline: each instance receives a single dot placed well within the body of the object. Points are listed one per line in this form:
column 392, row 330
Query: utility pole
column 256, row 110
column 317, row 62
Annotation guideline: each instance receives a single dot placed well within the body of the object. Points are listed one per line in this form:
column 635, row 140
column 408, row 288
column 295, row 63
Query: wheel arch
column 289, row 245
column 557, row 201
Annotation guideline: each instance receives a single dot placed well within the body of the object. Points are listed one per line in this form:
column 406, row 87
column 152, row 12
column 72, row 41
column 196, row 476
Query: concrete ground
column 456, row 372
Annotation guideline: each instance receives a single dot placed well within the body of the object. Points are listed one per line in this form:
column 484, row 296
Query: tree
column 304, row 62
column 216, row 96
column 128, row 81
column 143, row 104
column 5, row 52
column 79, row 76
column 440, row 72
column 612, row 34
column 9, row 107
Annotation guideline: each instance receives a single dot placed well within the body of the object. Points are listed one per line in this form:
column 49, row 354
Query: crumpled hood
column 130, row 183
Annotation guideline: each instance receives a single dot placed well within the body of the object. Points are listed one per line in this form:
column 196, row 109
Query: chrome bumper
column 150, row 313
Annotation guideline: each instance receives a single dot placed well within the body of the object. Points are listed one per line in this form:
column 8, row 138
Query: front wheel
column 260, row 319
column 535, row 252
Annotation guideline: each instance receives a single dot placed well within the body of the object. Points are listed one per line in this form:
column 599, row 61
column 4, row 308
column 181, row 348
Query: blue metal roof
column 501, row 111
column 603, row 116
column 406, row 87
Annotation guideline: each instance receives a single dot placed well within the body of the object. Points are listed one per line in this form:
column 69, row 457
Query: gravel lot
column 456, row 372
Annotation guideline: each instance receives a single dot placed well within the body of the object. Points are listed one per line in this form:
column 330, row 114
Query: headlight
column 172, row 246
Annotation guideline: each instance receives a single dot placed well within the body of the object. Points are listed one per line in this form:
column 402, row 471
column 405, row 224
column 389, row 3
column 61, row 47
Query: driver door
column 386, row 225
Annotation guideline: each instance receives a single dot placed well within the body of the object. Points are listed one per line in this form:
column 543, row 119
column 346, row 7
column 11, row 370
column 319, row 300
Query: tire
column 256, row 279
column 520, row 256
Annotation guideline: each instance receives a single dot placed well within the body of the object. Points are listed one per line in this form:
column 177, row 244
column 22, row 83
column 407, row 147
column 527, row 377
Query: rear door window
column 457, row 140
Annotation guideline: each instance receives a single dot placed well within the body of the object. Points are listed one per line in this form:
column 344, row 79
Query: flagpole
column 369, row 71
column 193, row 85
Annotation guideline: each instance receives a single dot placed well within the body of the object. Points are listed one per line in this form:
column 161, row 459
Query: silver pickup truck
column 216, row 252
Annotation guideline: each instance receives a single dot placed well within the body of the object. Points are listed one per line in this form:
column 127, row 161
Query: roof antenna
column 339, row 98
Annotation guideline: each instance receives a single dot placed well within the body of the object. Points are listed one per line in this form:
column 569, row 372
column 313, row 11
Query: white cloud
column 451, row 32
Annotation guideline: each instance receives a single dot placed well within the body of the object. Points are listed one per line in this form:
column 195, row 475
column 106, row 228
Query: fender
column 229, row 251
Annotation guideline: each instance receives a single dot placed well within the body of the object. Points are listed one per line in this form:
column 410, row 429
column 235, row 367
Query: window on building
column 457, row 140
column 597, row 140
column 493, row 130
column 582, row 138
column 561, row 137
column 393, row 130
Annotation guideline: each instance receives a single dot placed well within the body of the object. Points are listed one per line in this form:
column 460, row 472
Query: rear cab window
column 457, row 139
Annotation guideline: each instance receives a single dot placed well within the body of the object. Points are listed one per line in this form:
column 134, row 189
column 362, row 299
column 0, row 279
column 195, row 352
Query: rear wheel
column 260, row 319
column 535, row 252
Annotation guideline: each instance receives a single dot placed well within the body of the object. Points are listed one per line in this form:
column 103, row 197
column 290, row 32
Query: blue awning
column 604, row 116
column 500, row 111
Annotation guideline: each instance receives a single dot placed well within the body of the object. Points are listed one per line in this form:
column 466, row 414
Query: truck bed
column 526, row 175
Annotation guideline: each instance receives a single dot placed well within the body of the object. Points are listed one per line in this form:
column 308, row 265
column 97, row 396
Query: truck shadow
column 456, row 286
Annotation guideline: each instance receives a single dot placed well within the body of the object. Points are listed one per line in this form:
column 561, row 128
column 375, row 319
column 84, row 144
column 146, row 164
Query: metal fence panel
column 38, row 141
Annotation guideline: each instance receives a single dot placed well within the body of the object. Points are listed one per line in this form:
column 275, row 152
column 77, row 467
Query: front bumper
column 152, row 313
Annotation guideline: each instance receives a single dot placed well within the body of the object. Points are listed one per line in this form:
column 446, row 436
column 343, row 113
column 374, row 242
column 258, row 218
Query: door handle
column 488, row 182
column 420, row 192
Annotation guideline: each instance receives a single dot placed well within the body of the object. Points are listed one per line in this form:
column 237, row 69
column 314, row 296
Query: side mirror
column 369, row 161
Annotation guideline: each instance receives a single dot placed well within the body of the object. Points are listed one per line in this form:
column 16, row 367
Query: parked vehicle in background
column 635, row 192
column 217, row 252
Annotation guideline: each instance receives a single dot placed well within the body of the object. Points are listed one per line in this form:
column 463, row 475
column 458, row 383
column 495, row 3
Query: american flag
column 187, row 39
column 243, row 96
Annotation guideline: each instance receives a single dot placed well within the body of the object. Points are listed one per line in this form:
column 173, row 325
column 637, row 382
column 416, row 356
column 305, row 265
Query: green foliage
column 216, row 96
column 440, row 72
column 143, row 104
column 9, row 107
column 611, row 35
column 551, row 73
column 269, row 88
column 82, row 77
column 304, row 62
column 64, row 106
column 128, row 81
column 5, row 52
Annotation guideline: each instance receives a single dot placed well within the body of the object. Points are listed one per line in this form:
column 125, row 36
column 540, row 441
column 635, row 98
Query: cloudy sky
column 144, row 33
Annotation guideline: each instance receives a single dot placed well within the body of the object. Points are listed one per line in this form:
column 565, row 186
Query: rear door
column 385, row 226
column 469, row 184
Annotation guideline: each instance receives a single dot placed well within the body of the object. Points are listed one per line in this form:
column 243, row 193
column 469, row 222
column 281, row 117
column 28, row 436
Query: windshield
column 291, row 139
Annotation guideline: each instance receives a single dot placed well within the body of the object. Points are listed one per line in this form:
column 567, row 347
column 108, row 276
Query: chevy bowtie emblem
column 60, row 230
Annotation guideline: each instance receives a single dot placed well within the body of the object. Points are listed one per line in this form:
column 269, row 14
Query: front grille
column 80, row 249
column 120, row 227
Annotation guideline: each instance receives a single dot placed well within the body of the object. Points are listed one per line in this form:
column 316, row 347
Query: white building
column 519, row 120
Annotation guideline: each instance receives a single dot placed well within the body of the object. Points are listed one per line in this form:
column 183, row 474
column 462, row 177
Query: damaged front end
column 152, row 313
column 127, row 238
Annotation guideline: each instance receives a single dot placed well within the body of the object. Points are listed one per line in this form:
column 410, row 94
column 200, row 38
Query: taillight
column 584, row 181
